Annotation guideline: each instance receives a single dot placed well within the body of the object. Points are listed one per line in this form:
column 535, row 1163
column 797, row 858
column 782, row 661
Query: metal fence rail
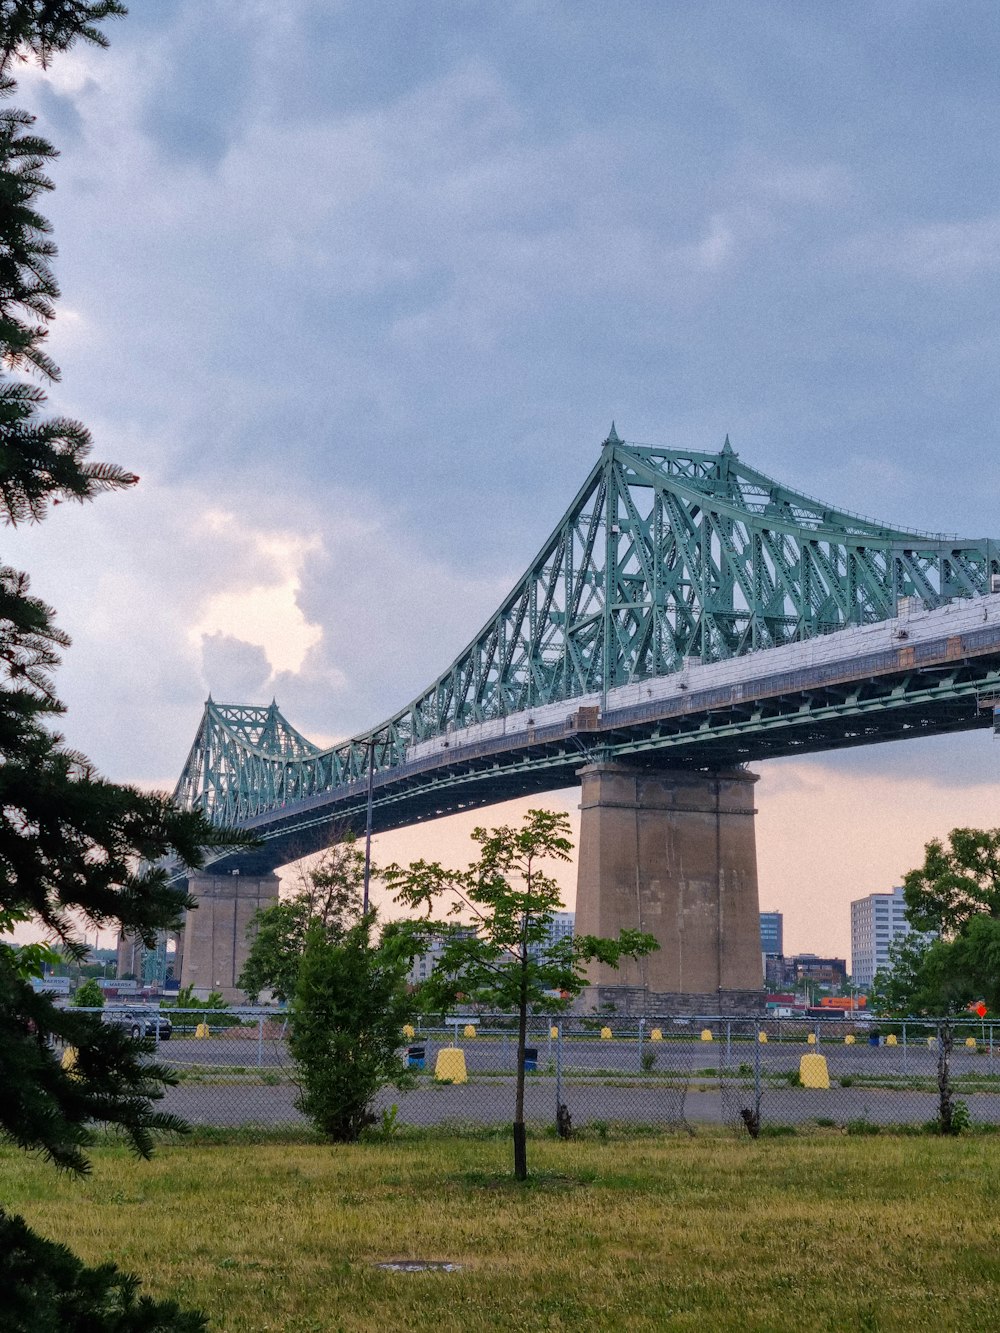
column 632, row 1076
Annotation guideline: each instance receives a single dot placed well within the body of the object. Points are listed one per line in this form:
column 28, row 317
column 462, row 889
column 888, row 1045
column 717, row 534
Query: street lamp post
column 368, row 820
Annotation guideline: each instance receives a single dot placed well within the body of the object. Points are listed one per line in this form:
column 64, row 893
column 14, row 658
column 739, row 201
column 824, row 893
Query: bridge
column 687, row 616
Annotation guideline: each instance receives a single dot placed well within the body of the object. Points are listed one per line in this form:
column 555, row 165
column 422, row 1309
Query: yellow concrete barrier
column 409, row 1031
column 656, row 1035
column 813, row 1071
column 450, row 1065
column 849, row 1039
column 971, row 1043
column 606, row 1034
column 891, row 1040
column 553, row 1032
column 762, row 1038
column 706, row 1034
column 68, row 1060
column 202, row 1031
column 932, row 1043
column 468, row 1030
column 811, row 1039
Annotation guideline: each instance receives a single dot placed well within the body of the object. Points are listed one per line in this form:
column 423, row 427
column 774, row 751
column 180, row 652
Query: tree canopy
column 496, row 937
column 77, row 852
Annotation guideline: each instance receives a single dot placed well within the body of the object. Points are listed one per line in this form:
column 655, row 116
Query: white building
column 875, row 922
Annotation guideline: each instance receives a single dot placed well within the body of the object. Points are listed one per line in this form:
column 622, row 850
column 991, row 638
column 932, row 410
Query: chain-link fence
column 595, row 1073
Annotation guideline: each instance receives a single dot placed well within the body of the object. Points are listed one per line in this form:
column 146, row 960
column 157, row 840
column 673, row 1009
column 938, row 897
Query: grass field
column 825, row 1232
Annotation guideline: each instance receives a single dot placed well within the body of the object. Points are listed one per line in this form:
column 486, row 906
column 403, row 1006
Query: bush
column 45, row 1288
column 349, row 1009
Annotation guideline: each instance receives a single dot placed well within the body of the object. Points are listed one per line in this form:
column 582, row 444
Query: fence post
column 558, row 1068
column 904, row 1048
column 756, row 1070
column 260, row 1040
column 729, row 1043
column 641, row 1024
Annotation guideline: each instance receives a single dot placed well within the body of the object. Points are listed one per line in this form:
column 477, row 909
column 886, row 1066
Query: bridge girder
column 663, row 556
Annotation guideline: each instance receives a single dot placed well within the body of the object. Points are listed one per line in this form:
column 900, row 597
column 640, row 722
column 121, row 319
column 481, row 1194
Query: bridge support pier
column 673, row 853
column 215, row 944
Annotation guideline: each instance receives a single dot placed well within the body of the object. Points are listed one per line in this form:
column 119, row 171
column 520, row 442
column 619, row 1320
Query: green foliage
column 47, row 1289
column 498, row 913
column 77, row 853
column 89, row 996
column 330, row 897
column 348, row 1011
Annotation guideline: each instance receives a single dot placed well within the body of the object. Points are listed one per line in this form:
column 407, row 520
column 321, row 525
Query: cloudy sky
column 358, row 289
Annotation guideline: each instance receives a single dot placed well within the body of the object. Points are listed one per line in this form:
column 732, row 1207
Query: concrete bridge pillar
column 672, row 853
column 215, row 943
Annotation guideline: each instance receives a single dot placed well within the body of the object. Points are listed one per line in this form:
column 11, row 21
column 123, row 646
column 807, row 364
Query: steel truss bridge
column 687, row 611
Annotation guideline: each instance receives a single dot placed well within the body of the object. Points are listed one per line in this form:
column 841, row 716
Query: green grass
column 819, row 1231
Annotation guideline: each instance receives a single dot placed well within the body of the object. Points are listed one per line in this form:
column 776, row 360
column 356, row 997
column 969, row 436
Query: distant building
column 819, row 971
column 875, row 922
column 562, row 925
column 779, row 972
column 772, row 934
column 425, row 963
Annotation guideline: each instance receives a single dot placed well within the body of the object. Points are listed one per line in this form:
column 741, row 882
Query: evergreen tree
column 76, row 852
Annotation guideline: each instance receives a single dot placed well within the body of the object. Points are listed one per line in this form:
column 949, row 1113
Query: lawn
column 817, row 1232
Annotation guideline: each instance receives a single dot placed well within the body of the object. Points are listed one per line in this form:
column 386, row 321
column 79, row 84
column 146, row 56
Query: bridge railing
column 600, row 1075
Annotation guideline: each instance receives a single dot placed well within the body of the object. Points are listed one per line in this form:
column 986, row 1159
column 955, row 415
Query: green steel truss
column 662, row 556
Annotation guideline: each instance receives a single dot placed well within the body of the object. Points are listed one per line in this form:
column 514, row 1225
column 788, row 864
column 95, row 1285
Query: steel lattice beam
column 662, row 557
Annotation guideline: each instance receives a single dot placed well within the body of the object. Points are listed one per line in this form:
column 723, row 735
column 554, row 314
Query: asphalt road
column 670, row 1106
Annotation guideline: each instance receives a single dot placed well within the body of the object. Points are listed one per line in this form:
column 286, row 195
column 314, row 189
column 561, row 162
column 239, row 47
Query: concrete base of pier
column 672, row 853
column 215, row 943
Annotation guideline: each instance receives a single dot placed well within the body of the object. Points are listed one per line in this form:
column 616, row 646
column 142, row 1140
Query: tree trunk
column 946, row 1108
column 520, row 1138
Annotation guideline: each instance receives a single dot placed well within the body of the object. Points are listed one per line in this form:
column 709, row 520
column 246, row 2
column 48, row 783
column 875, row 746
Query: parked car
column 140, row 1022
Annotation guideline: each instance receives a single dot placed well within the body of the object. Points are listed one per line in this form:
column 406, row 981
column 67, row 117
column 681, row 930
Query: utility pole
column 368, row 820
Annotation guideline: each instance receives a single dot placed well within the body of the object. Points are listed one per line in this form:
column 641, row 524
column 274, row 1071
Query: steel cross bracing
column 664, row 558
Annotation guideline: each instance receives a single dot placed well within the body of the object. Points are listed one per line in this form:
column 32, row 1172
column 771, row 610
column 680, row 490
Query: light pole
column 368, row 821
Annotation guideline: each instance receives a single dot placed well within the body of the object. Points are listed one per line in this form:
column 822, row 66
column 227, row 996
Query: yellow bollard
column 762, row 1038
column 813, row 1071
column 891, row 1040
column 706, row 1034
column 68, row 1060
column 970, row 1043
column 849, row 1039
column 553, row 1032
column 409, row 1031
column 811, row 1039
column 656, row 1035
column 606, row 1034
column 468, row 1030
column 202, row 1031
column 450, row 1065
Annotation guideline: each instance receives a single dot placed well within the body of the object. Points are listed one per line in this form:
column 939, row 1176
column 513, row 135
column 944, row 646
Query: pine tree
column 76, row 852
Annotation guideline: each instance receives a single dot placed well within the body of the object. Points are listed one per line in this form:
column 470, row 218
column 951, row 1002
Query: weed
column 648, row 1061
column 862, row 1127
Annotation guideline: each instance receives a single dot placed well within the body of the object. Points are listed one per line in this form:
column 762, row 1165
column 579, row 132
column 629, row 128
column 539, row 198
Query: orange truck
column 846, row 1002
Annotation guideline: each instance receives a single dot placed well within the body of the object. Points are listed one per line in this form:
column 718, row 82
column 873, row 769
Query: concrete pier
column 215, row 943
column 672, row 853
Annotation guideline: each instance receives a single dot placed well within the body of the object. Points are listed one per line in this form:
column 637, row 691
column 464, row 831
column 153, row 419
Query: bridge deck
column 920, row 674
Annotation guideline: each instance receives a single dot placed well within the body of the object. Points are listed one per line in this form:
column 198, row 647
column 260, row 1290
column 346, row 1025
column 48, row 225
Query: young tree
column 329, row 897
column 89, row 996
column 953, row 899
column 510, row 899
column 76, row 851
column 350, row 1004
